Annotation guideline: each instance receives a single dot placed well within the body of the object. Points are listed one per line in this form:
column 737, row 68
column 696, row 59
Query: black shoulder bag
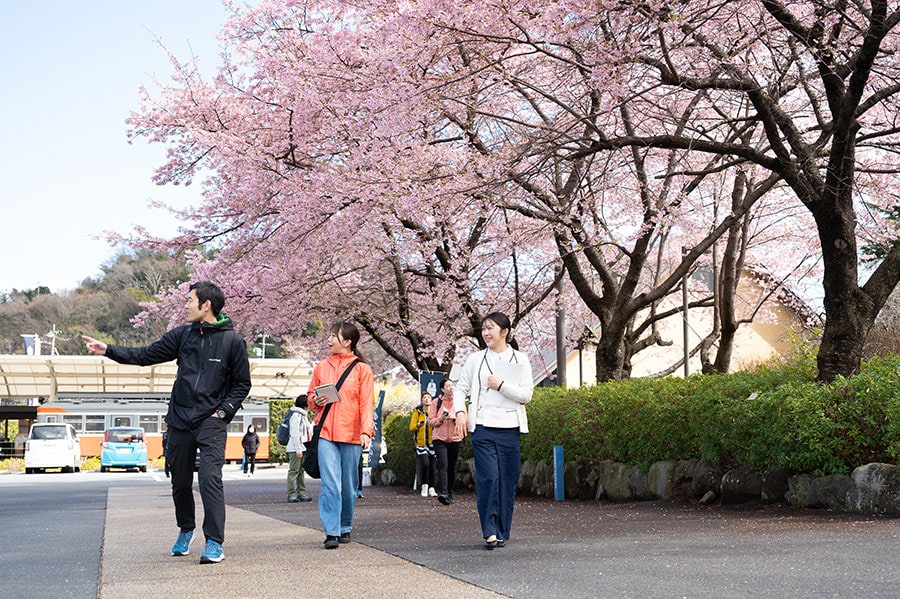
column 310, row 461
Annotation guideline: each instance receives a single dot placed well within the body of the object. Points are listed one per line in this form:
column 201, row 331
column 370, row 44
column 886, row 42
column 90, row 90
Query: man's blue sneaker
column 183, row 543
column 212, row 553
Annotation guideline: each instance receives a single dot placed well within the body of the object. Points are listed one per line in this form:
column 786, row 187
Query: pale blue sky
column 71, row 73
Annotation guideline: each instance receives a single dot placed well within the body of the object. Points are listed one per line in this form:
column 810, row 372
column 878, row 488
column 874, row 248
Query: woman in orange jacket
column 347, row 430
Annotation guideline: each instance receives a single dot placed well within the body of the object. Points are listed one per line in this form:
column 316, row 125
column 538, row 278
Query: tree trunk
column 848, row 310
column 613, row 363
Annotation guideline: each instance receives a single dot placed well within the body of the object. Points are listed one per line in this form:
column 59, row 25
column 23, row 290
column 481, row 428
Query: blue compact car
column 123, row 447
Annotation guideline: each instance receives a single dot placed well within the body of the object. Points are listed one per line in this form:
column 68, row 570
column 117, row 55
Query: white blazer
column 503, row 409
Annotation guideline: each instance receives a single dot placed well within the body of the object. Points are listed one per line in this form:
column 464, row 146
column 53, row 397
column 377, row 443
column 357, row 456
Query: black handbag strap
column 337, row 386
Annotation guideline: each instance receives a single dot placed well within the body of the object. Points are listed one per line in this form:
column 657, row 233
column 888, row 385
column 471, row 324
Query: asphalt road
column 51, row 529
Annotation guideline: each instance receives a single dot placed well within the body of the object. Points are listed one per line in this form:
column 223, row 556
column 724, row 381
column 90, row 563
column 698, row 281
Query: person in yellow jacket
column 418, row 424
column 346, row 431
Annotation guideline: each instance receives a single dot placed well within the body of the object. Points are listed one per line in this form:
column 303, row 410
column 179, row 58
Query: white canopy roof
column 52, row 377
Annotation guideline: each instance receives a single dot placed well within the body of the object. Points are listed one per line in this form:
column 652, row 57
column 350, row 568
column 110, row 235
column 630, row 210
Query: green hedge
column 792, row 421
column 400, row 457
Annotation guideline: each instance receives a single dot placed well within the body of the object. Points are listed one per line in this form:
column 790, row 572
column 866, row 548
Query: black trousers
column 249, row 462
column 447, row 455
column 209, row 438
column 424, row 466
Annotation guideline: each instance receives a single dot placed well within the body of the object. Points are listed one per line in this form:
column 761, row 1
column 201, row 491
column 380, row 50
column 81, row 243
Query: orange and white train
column 92, row 416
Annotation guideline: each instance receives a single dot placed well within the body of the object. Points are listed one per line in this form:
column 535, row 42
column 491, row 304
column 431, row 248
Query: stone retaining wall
column 872, row 489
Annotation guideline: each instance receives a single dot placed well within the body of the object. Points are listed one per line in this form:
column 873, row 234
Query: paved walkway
column 272, row 559
column 409, row 546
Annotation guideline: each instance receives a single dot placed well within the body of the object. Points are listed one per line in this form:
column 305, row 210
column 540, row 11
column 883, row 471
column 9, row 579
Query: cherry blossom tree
column 520, row 86
column 804, row 91
column 822, row 83
column 330, row 199
column 406, row 165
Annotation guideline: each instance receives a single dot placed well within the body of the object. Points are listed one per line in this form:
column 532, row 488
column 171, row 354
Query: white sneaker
column 424, row 490
column 432, row 492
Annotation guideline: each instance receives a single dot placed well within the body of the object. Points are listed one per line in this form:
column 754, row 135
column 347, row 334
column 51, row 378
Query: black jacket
column 250, row 442
column 207, row 380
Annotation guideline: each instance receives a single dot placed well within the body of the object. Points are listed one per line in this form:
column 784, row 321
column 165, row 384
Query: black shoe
column 293, row 499
column 501, row 543
column 344, row 538
column 304, row 499
column 490, row 543
column 450, row 497
column 444, row 499
column 331, row 542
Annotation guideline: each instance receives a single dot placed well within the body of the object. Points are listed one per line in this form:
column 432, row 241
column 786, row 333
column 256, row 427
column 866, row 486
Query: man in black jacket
column 213, row 380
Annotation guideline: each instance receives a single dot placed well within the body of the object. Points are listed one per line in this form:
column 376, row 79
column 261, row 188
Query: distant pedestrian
column 446, row 440
column 300, row 432
column 418, row 425
column 346, row 431
column 498, row 384
column 212, row 382
column 250, row 443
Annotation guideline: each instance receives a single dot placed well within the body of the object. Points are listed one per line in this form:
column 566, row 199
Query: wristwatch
column 220, row 413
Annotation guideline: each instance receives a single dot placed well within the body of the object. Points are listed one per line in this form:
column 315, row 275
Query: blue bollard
column 559, row 473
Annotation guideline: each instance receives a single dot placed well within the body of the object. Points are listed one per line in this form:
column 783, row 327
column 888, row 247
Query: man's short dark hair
column 301, row 401
column 209, row 291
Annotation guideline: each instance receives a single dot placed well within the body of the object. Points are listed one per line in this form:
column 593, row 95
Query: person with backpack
column 212, row 382
column 347, row 427
column 298, row 435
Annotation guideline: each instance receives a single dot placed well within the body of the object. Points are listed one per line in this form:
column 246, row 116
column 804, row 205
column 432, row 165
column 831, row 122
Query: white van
column 52, row 445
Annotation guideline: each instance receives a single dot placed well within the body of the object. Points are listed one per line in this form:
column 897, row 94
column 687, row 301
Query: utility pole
column 684, row 309
column 263, row 344
column 560, row 333
column 52, row 335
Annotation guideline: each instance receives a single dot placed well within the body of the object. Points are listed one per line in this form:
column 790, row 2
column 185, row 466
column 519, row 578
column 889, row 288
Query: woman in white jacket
column 498, row 384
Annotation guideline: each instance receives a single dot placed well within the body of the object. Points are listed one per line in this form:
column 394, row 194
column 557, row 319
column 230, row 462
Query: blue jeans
column 339, row 467
column 497, row 463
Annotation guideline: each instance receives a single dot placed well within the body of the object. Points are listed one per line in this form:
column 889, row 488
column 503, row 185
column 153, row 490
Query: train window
column 121, row 420
column 236, row 425
column 259, row 423
column 94, row 423
column 149, row 422
column 76, row 420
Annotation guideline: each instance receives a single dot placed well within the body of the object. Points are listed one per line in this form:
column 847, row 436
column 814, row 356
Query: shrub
column 772, row 416
column 12, row 464
column 277, row 410
column 401, row 455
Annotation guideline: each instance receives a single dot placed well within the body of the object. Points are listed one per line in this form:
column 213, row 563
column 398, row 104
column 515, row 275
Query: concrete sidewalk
column 264, row 557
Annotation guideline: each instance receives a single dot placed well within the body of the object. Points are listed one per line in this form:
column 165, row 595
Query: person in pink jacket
column 446, row 440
